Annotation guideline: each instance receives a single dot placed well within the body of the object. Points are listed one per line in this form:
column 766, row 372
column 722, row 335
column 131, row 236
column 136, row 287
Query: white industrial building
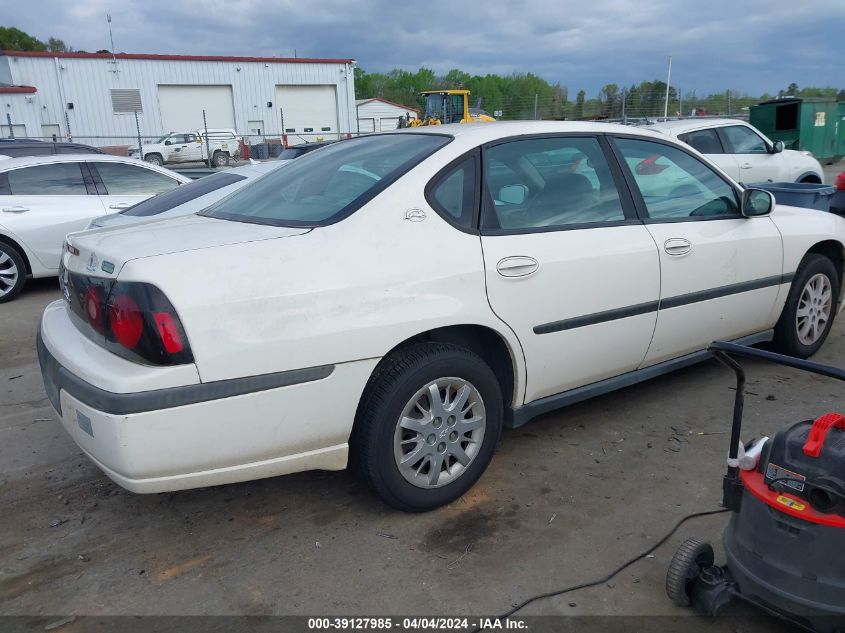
column 92, row 97
column 380, row 115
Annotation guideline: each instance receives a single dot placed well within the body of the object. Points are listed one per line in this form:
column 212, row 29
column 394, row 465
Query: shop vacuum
column 785, row 540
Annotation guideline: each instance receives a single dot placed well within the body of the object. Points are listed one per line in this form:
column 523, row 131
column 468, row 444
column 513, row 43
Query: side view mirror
column 757, row 202
column 778, row 147
column 168, row 142
column 513, row 194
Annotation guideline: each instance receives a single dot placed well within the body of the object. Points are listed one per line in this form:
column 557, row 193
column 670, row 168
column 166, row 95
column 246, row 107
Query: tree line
column 528, row 96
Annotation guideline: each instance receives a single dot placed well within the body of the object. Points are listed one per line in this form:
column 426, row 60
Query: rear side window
column 705, row 141
column 324, row 187
column 121, row 179
column 454, row 194
column 181, row 195
column 58, row 179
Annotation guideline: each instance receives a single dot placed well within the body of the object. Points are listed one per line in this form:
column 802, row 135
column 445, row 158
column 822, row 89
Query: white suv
column 742, row 151
column 397, row 298
column 221, row 145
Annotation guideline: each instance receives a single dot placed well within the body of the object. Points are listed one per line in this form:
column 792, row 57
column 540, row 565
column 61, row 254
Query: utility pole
column 111, row 39
column 535, row 106
column 668, row 80
column 729, row 101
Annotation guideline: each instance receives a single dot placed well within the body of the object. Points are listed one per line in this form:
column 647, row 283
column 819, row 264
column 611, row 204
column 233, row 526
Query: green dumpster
column 809, row 124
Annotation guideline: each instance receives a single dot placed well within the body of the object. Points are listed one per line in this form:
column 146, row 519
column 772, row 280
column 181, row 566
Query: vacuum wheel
column 692, row 557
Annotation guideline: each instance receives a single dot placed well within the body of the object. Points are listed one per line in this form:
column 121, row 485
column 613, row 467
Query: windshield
column 163, row 138
column 434, row 106
column 323, row 187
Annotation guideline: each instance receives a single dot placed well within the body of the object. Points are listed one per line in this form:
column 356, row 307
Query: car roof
column 28, row 161
column 490, row 131
column 681, row 126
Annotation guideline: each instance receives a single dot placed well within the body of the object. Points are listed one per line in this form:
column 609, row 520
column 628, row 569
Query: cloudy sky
column 753, row 46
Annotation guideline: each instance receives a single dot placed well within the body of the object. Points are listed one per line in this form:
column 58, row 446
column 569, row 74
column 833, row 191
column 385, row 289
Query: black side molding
column 57, row 378
column 663, row 304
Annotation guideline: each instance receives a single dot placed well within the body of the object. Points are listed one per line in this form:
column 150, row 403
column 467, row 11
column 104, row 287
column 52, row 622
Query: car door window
column 744, row 140
column 57, row 179
column 705, row 141
column 675, row 184
column 177, row 139
column 548, row 182
column 121, row 179
column 454, row 194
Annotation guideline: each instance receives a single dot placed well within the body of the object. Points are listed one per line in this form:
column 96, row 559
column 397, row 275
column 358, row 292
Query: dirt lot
column 566, row 499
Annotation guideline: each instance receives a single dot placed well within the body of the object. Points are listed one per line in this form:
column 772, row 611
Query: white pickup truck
column 187, row 147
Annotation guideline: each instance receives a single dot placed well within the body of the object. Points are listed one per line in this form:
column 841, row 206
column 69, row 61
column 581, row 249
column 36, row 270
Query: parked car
column 742, row 151
column 189, row 198
column 190, row 146
column 43, row 198
column 289, row 153
column 395, row 299
column 14, row 148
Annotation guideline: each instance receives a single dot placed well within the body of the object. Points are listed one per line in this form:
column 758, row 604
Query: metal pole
column 680, row 102
column 668, row 80
column 535, row 105
column 207, row 144
column 138, row 131
column 729, row 101
column 11, row 130
column 624, row 116
column 67, row 125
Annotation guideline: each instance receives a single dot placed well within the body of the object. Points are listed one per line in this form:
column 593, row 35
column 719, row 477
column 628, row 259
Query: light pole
column 668, row 79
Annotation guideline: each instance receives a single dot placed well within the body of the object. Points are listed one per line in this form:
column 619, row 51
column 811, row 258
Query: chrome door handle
column 746, row 166
column 120, row 205
column 676, row 246
column 517, row 266
column 17, row 209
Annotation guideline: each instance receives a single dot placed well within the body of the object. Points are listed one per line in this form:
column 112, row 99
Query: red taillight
column 840, row 182
column 126, row 321
column 93, row 306
column 168, row 331
column 132, row 319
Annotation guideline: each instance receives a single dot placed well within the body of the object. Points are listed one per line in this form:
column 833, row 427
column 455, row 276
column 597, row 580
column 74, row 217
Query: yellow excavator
column 447, row 106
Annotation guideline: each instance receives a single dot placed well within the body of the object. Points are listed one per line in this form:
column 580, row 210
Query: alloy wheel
column 8, row 273
column 814, row 309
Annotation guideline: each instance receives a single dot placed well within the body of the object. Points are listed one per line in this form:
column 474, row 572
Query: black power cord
column 614, row 573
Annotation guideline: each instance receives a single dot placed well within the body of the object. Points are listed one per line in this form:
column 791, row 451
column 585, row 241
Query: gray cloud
column 752, row 46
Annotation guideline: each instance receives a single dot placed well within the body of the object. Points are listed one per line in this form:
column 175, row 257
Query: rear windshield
column 323, row 187
column 187, row 192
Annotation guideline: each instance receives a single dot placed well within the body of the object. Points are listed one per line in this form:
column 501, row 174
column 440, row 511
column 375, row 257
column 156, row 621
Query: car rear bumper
column 207, row 434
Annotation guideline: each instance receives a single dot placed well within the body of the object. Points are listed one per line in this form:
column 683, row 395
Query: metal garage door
column 366, row 125
column 310, row 112
column 182, row 106
column 390, row 123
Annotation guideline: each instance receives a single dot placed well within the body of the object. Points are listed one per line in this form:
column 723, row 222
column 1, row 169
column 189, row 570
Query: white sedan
column 43, row 198
column 395, row 299
column 742, row 151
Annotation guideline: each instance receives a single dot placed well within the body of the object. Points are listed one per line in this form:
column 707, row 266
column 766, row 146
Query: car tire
column 810, row 308
column 418, row 453
column 12, row 272
column 154, row 159
column 220, row 159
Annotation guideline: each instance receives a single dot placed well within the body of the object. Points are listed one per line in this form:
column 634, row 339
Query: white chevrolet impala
column 394, row 300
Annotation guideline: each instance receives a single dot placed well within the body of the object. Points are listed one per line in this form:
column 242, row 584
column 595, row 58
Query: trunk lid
column 103, row 252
